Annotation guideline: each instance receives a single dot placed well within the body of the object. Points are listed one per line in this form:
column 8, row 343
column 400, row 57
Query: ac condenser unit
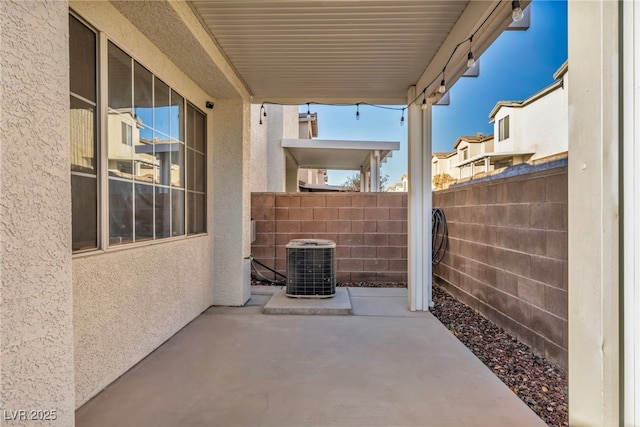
column 311, row 271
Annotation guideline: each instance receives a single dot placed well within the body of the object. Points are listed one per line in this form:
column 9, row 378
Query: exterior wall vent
column 311, row 271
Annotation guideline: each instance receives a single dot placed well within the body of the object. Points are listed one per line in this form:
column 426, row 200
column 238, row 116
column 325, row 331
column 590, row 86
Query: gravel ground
column 536, row 381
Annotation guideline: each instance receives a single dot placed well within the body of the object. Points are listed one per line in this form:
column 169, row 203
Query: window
column 149, row 153
column 465, row 153
column 197, row 174
column 83, row 135
column 146, row 174
column 127, row 134
column 503, row 128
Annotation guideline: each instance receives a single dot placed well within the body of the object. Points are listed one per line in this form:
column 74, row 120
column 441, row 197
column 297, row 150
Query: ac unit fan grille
column 311, row 271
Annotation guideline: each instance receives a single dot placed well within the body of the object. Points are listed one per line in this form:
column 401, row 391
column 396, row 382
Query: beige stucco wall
column 36, row 336
column 128, row 301
column 230, row 168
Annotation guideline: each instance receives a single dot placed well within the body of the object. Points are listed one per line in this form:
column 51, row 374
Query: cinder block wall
column 370, row 231
column 507, row 255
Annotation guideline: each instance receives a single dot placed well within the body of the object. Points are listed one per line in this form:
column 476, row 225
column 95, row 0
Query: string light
column 443, row 87
column 471, row 62
column 263, row 112
column 517, row 13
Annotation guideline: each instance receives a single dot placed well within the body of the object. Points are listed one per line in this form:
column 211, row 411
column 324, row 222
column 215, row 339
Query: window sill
column 130, row 246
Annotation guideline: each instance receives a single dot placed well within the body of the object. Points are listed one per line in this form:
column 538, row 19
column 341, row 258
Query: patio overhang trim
column 337, row 154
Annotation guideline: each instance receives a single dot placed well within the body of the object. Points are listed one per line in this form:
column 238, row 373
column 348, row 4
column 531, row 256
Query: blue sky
column 518, row 64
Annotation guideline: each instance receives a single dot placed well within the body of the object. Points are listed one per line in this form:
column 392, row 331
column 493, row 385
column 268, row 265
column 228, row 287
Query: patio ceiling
column 345, row 50
column 331, row 51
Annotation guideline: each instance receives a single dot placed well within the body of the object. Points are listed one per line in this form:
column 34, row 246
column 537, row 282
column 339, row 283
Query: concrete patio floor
column 381, row 366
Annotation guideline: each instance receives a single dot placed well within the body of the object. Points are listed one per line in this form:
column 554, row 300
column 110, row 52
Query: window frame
column 97, row 175
column 102, row 156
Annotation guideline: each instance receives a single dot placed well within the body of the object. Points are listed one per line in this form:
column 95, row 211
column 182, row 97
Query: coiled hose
column 439, row 235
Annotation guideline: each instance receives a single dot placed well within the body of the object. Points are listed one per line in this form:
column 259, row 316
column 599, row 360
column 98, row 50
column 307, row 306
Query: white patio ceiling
column 300, row 51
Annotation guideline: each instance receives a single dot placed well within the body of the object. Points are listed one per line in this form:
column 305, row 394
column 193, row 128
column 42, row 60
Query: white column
column 419, row 227
column 374, row 167
column 631, row 183
column 231, row 202
column 363, row 180
column 594, row 263
column 427, row 204
column 292, row 181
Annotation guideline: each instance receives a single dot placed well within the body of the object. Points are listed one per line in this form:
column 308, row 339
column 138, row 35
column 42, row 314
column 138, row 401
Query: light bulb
column 357, row 111
column 517, row 14
column 308, row 112
column 470, row 61
column 442, row 88
column 424, row 104
column 402, row 119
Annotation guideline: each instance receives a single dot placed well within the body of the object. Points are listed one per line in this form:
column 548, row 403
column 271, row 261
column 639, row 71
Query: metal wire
column 259, row 276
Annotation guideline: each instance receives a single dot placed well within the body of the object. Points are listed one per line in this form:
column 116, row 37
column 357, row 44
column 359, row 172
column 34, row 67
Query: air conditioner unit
column 311, row 271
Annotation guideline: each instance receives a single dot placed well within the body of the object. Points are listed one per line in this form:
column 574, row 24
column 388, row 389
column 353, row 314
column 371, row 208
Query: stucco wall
column 507, row 254
column 129, row 301
column 370, row 231
column 36, row 335
column 232, row 196
column 259, row 167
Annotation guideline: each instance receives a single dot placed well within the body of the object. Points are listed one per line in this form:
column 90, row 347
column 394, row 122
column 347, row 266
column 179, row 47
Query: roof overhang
column 325, row 51
column 336, row 154
column 348, row 51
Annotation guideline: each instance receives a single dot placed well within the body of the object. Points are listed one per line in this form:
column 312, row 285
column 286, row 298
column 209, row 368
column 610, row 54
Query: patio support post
column 631, row 183
column 362, row 180
column 419, row 224
column 595, row 373
column 230, row 206
column 374, row 159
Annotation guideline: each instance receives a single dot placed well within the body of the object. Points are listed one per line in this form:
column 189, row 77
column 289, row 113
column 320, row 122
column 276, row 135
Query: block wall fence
column 507, row 255
column 370, row 231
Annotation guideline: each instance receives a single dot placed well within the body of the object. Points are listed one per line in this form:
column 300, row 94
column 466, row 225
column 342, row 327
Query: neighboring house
column 286, row 157
column 466, row 148
column 270, row 168
column 533, row 130
column 311, row 179
column 538, row 126
column 402, row 186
